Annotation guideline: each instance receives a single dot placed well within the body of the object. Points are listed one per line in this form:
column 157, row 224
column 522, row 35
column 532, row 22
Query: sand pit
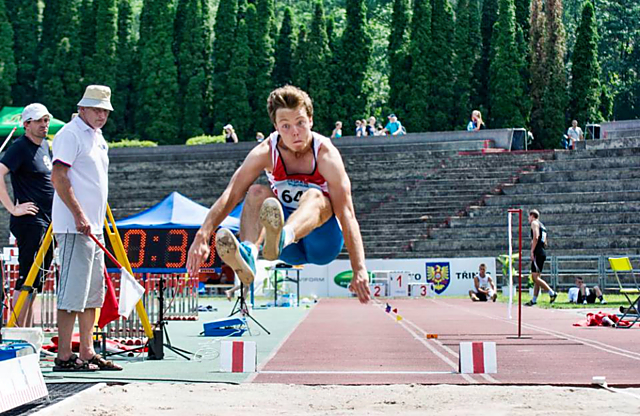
column 277, row 399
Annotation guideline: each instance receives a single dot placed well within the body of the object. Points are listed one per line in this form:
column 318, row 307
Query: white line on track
column 358, row 372
column 426, row 344
column 276, row 349
column 558, row 334
column 449, row 350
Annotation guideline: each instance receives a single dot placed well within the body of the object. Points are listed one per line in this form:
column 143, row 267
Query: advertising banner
column 449, row 277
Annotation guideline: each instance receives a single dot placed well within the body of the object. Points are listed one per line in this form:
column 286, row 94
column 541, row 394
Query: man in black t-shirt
column 28, row 160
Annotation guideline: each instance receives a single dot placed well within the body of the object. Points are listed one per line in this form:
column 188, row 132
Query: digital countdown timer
column 157, row 250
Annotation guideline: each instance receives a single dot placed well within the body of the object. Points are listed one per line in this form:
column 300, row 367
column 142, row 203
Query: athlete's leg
column 313, row 211
column 540, row 282
column 250, row 227
column 241, row 257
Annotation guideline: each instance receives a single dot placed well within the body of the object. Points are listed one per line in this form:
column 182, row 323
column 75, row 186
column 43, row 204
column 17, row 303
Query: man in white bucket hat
column 80, row 166
column 29, row 161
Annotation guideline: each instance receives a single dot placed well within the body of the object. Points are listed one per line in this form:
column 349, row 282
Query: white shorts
column 81, row 284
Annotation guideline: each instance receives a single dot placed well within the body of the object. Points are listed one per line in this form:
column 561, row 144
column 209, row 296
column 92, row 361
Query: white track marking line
column 611, row 389
column 426, row 344
column 487, row 377
column 358, row 372
column 276, row 349
column 587, row 342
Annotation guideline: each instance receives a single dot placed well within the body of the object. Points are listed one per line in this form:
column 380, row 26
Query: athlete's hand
column 82, row 224
column 360, row 286
column 27, row 208
column 198, row 251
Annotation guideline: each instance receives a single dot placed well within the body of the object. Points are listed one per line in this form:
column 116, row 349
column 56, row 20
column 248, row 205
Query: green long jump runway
column 184, row 334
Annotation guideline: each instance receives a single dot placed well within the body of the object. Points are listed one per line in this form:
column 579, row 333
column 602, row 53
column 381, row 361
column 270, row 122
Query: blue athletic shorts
column 321, row 246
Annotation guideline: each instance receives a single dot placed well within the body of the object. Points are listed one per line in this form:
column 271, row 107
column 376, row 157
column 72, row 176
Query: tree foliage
column 585, row 83
column 190, row 50
column 61, row 70
column 554, row 100
column 489, row 18
column 283, row 66
column 261, row 60
column 505, row 76
column 158, row 88
column 7, row 60
column 237, row 98
column 353, row 55
column 25, row 16
column 420, row 61
column 123, row 97
column 319, row 56
column 398, row 59
column 440, row 100
column 223, row 48
column 537, row 69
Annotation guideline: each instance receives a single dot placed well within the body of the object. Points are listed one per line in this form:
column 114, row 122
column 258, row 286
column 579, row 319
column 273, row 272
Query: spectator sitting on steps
column 583, row 294
column 484, row 287
column 230, row 135
column 394, row 127
column 476, row 122
column 337, row 132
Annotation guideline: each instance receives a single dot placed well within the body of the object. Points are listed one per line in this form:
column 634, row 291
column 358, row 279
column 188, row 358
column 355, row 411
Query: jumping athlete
column 538, row 257
column 305, row 211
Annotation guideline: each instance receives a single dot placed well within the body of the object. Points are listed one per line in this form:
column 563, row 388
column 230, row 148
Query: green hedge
column 205, row 140
column 132, row 143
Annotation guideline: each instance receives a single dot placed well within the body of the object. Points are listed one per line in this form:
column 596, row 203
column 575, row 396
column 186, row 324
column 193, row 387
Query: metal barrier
column 180, row 294
column 560, row 271
column 180, row 301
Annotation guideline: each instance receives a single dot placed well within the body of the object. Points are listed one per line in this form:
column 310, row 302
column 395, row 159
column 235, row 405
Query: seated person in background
column 476, row 122
column 394, row 127
column 337, row 132
column 360, row 131
column 575, row 134
column 484, row 287
column 371, row 126
column 583, row 294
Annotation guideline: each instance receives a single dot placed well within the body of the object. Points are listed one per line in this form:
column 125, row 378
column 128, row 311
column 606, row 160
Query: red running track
column 344, row 342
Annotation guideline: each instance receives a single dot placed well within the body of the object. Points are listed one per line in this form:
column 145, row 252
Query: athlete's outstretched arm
column 256, row 161
column 331, row 167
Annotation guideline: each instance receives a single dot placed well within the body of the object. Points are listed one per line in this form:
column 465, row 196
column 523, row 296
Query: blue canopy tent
column 157, row 239
column 178, row 211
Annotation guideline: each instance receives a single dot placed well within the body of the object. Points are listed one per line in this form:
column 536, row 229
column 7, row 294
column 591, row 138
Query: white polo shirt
column 84, row 151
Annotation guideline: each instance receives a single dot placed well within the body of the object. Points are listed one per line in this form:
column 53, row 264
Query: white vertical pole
column 510, row 266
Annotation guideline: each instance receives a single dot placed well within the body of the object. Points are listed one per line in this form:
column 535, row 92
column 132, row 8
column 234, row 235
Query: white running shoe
column 236, row 255
column 272, row 219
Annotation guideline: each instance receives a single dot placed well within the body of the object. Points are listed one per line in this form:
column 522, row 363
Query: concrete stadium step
column 583, row 230
column 567, row 208
column 580, row 175
column 556, row 243
column 597, row 153
column 590, row 164
column 573, row 187
column 535, row 200
column 549, row 220
column 445, row 253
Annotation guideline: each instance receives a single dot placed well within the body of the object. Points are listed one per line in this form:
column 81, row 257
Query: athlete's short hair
column 535, row 213
column 288, row 97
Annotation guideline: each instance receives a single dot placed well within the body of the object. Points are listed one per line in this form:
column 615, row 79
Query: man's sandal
column 74, row 364
column 104, row 365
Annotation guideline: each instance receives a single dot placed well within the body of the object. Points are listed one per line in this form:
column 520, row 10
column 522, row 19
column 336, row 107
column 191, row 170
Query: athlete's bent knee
column 259, row 192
